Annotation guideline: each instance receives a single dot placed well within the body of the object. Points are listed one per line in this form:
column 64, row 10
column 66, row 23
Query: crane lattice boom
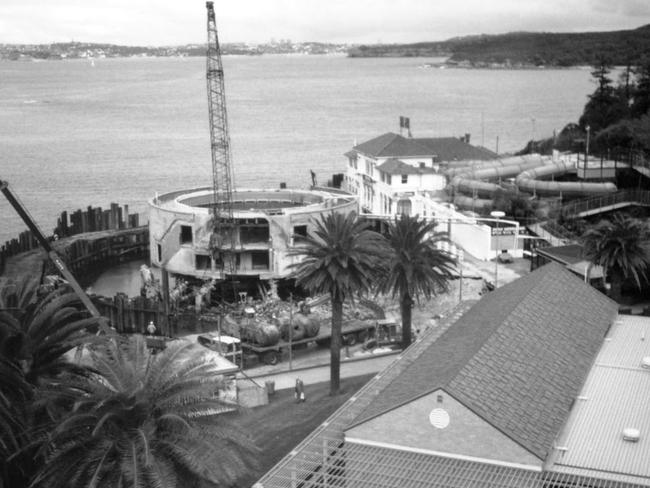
column 223, row 230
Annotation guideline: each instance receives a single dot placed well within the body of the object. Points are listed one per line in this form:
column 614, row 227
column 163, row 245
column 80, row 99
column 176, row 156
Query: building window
column 159, row 248
column 388, row 179
column 252, row 233
column 186, row 234
column 260, row 259
column 405, row 178
column 299, row 232
column 203, row 261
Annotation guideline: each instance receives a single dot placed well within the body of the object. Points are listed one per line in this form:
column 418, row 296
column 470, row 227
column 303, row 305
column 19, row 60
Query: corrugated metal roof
column 354, row 465
column 616, row 396
column 517, row 358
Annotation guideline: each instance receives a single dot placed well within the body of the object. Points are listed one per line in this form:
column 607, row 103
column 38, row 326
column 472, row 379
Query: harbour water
column 73, row 134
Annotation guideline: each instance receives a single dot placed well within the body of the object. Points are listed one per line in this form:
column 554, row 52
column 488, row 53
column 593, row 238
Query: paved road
column 317, row 374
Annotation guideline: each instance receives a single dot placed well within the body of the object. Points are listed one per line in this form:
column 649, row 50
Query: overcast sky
column 169, row 22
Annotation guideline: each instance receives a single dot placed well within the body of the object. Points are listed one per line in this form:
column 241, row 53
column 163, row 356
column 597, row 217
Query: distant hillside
column 524, row 49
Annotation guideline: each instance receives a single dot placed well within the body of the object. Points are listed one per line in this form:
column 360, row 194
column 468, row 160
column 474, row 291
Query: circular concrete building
column 267, row 224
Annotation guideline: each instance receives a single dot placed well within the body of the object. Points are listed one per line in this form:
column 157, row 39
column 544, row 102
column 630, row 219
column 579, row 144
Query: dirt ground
column 426, row 311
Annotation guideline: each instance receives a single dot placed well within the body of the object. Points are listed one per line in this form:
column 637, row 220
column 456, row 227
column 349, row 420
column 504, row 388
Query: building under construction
column 266, row 225
column 220, row 232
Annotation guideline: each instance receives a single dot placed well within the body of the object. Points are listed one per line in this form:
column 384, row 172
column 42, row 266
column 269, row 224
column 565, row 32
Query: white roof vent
column 645, row 362
column 631, row 434
column 439, row 418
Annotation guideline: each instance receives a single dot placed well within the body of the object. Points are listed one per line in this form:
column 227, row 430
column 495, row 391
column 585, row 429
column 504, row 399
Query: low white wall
column 473, row 238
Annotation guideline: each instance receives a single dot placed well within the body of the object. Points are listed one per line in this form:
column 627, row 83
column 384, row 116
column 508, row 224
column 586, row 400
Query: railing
column 640, row 197
column 541, row 231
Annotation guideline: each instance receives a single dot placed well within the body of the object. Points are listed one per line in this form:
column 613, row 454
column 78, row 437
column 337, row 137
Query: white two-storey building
column 392, row 174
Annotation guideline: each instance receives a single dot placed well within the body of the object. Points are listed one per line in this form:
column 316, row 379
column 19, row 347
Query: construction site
column 222, row 233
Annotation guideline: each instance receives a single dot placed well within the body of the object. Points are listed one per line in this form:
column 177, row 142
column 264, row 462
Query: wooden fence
column 132, row 315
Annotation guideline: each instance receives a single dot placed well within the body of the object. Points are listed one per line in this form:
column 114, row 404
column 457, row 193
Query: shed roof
column 517, row 358
column 572, row 255
column 567, row 254
column 391, row 145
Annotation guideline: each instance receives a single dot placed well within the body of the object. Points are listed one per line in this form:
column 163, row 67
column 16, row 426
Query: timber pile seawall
column 90, row 241
column 87, row 240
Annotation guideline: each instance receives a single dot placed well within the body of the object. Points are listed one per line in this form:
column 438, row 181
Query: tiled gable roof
column 453, row 149
column 391, row 145
column 517, row 358
column 394, row 166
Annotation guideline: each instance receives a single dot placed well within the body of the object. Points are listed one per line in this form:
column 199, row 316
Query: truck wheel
column 350, row 339
column 362, row 335
column 271, row 357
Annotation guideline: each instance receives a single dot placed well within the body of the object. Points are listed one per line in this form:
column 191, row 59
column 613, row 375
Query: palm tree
column 35, row 333
column 340, row 258
column 16, row 395
column 619, row 245
column 417, row 267
column 147, row 421
column 44, row 330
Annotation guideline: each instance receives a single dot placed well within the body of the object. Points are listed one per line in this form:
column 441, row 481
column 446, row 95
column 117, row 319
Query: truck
column 353, row 332
column 387, row 336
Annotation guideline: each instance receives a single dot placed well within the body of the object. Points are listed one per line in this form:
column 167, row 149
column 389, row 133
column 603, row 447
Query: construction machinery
column 52, row 254
column 223, row 239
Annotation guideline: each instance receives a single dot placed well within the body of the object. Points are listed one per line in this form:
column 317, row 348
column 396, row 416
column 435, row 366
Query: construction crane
column 222, row 242
column 54, row 257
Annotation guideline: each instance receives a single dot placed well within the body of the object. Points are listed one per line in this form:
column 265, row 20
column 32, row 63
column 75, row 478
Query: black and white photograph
column 308, row 244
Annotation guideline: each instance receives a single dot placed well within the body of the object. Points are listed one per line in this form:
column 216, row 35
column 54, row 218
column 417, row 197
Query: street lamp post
column 497, row 214
column 533, row 134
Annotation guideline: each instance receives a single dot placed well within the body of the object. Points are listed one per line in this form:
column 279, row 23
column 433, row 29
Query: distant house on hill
column 385, row 172
column 538, row 384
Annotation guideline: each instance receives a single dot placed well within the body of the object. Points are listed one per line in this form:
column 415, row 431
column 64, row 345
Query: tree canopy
column 620, row 246
column 417, row 266
column 341, row 258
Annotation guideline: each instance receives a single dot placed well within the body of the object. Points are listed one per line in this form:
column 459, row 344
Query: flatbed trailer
column 353, row 332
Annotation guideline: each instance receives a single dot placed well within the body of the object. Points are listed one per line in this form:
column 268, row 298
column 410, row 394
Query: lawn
column 279, row 426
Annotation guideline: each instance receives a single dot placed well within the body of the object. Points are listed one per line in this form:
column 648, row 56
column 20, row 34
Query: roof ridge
column 417, row 349
column 390, row 141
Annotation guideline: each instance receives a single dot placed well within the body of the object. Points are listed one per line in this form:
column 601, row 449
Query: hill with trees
column 525, row 49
